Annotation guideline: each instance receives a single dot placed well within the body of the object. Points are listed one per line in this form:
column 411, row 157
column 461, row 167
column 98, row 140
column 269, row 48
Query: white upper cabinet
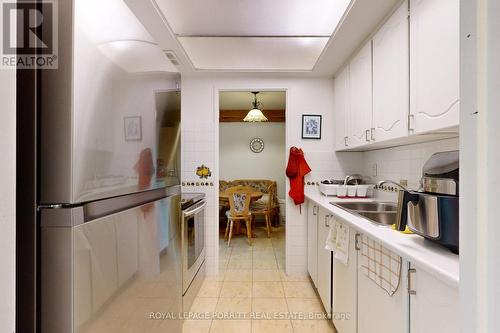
column 360, row 97
column 391, row 77
column 434, row 64
column 341, row 109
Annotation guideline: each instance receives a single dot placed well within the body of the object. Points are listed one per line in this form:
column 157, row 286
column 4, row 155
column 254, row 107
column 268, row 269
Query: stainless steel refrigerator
column 109, row 207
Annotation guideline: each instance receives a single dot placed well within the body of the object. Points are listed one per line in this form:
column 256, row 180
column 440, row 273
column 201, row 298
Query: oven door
column 193, row 242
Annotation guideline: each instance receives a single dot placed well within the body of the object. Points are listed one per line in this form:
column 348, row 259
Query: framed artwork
column 133, row 128
column 311, row 126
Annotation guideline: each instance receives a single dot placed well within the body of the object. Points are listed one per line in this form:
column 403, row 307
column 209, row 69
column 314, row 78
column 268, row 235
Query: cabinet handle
column 409, row 284
column 327, row 221
column 372, row 134
column 356, row 242
column 366, row 135
column 411, row 118
column 315, row 210
column 345, row 141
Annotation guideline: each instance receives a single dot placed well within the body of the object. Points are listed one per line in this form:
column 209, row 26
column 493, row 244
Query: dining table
column 224, row 198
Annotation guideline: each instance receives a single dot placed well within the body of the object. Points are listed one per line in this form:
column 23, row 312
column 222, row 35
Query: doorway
column 252, row 155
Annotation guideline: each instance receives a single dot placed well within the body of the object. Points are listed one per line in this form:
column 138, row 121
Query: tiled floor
column 253, row 294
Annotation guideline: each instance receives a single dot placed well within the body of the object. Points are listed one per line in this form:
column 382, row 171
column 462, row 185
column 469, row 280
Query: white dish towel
column 331, row 239
column 342, row 242
column 338, row 241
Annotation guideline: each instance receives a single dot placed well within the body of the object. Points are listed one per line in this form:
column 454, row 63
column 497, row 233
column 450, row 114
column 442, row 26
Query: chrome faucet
column 401, row 187
column 346, row 179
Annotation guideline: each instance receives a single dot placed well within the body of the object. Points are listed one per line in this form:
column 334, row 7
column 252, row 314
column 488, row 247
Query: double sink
column 381, row 213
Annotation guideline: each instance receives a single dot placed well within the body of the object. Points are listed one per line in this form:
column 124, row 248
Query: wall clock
column 256, row 145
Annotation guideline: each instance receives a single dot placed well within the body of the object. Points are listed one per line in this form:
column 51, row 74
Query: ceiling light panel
column 253, row 17
column 254, row 53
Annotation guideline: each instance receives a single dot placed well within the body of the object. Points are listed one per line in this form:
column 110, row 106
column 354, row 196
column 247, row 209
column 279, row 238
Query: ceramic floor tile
column 238, row 275
column 204, row 304
column 274, row 326
column 264, row 264
column 299, row 290
column 264, row 275
column 210, row 289
column 196, row 326
column 239, row 264
column 267, row 289
column 140, row 326
column 313, row 326
column 293, row 278
column 305, row 306
column 241, row 256
column 269, row 308
column 240, row 307
column 236, row 289
column 231, row 326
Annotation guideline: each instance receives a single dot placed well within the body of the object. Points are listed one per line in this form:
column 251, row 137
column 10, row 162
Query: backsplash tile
column 404, row 162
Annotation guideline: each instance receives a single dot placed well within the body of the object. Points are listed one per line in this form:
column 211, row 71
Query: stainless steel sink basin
column 383, row 213
column 383, row 218
column 368, row 206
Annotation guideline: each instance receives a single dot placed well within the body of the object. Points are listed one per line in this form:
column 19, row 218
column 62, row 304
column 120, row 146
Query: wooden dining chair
column 239, row 210
column 265, row 208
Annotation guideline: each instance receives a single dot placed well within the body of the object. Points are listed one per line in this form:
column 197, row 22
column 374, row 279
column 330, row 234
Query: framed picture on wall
column 133, row 128
column 311, row 126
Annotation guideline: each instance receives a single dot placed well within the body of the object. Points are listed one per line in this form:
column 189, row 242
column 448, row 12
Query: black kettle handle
column 404, row 198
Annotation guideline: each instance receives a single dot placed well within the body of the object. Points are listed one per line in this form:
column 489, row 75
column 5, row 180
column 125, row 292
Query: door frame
column 235, row 88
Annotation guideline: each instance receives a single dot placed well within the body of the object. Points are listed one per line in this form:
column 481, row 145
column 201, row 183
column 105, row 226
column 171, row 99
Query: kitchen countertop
column 423, row 253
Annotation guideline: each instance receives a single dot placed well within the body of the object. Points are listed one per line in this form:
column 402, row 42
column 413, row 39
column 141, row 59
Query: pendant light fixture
column 255, row 115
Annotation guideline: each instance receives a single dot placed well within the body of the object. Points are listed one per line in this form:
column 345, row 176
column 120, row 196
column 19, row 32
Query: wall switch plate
column 374, row 170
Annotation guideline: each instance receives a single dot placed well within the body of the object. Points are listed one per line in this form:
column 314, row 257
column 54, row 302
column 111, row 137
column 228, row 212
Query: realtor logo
column 29, row 34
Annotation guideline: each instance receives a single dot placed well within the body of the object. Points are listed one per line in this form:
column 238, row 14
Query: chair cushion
column 239, row 202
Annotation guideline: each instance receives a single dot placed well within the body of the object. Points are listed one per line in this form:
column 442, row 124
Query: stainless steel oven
column 193, row 243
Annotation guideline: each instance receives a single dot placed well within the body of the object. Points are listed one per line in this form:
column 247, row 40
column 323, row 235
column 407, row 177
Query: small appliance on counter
column 432, row 212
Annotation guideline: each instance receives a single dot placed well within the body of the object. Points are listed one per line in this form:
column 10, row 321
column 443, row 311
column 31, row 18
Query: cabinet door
column 434, row 64
column 434, row 307
column 341, row 109
column 312, row 241
column 345, row 289
column 379, row 312
column 391, row 77
column 360, row 96
column 324, row 261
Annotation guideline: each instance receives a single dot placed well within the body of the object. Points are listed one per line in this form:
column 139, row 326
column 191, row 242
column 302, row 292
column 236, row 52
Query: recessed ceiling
column 242, row 100
column 252, row 53
column 278, row 35
column 253, row 17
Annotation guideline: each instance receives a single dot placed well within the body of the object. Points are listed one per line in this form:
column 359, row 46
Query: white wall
column 237, row 161
column 480, row 137
column 7, row 199
column 200, row 142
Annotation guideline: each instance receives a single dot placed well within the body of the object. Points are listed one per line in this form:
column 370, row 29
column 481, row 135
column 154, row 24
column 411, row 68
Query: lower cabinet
column 422, row 302
column 324, row 284
column 319, row 260
column 379, row 312
column 433, row 305
column 312, row 241
column 345, row 290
